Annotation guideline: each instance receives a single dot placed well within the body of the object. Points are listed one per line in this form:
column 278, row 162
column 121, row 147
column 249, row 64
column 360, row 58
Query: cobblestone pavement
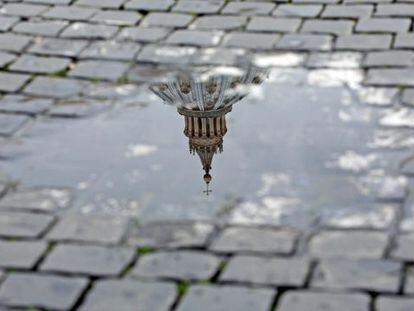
column 55, row 50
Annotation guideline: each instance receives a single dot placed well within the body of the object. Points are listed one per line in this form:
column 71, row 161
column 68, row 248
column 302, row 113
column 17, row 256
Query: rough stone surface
column 85, row 228
column 255, row 240
column 403, row 249
column 266, row 271
column 29, row 63
column 21, row 254
column 362, row 42
column 308, row 300
column 37, row 199
column 305, row 42
column 182, row 265
column 220, row 22
column 389, row 303
column 11, row 124
column 372, row 275
column 58, row 47
column 55, row 87
column 143, row 34
column 24, row 225
column 113, row 294
column 204, row 298
column 251, row 40
column 89, row 260
column 43, row 291
column 105, row 70
column 124, row 51
column 198, row 6
column 345, row 244
column 11, row 82
column 170, row 235
column 194, row 37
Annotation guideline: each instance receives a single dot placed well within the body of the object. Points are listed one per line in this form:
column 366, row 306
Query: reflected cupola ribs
column 204, row 103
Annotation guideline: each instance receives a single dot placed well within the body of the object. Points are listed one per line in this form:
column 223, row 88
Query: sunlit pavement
column 307, row 204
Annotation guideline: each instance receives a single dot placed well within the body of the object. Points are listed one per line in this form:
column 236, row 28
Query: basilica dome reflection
column 204, row 97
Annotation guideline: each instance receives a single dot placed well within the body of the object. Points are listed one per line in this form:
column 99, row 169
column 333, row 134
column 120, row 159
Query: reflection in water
column 204, row 99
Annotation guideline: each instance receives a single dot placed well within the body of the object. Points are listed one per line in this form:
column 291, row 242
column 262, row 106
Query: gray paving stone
column 409, row 281
column 336, row 27
column 362, row 42
column 271, row 24
column 56, row 2
column 305, row 42
column 248, row 8
column 108, row 4
column 21, row 254
column 371, row 216
column 198, row 6
column 170, row 235
column 144, row 34
column 111, row 50
column 167, row 54
column 389, row 58
column 220, row 22
column 308, row 300
column 266, row 271
column 408, row 97
column 160, row 19
column 390, row 303
column 395, row 9
column 316, row 1
column 258, row 41
column 108, row 295
column 9, row 124
column 24, row 225
column 7, row 22
column 58, row 47
column 348, row 11
column 6, row 58
column 121, row 18
column 79, row 108
column 22, row 9
column 364, row 274
column 41, row 28
column 55, row 87
column 13, row 43
column 279, row 59
column 89, row 31
column 36, row 199
column 105, row 70
column 298, row 10
column 204, row 298
column 247, row 239
column 43, row 291
column 181, row 265
column 391, row 77
column 404, row 40
column 195, row 37
column 378, row 96
column 11, row 82
column 219, row 56
column 149, row 5
column 24, row 105
column 71, row 13
column 89, row 260
column 383, row 25
column 403, row 248
column 348, row 244
column 40, row 64
column 85, row 228
column 335, row 60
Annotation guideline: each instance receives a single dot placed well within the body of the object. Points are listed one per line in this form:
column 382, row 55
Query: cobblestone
column 194, row 37
column 43, row 28
column 24, row 225
column 403, row 249
column 21, row 254
column 170, row 235
column 10, row 124
column 220, row 22
column 336, row 27
column 23, row 105
column 255, row 240
column 198, row 6
column 181, row 265
column 270, row 24
column 7, row 22
column 149, row 5
column 40, row 64
column 335, row 60
column 89, row 260
column 124, row 51
column 166, row 20
column 105, row 70
column 348, row 11
column 388, row 303
column 251, row 40
column 89, row 31
column 81, row 228
column 409, row 282
column 391, row 77
column 204, row 298
column 22, row 10
column 144, row 34
column 58, row 47
column 13, row 42
column 305, row 42
column 364, row 274
column 298, row 10
column 71, row 13
column 266, row 271
column 307, row 300
column 117, row 18
column 364, row 42
column 383, row 25
column 43, row 291
column 36, row 199
column 54, row 87
column 248, row 8
column 354, row 244
column 404, row 40
column 389, row 58
column 147, row 296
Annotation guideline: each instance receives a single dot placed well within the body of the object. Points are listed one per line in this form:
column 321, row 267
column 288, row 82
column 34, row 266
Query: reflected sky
column 273, row 148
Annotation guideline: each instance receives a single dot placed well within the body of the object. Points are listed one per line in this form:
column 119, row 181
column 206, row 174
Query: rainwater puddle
column 250, row 146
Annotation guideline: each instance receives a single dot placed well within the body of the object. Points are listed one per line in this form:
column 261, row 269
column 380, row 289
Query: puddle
column 240, row 145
